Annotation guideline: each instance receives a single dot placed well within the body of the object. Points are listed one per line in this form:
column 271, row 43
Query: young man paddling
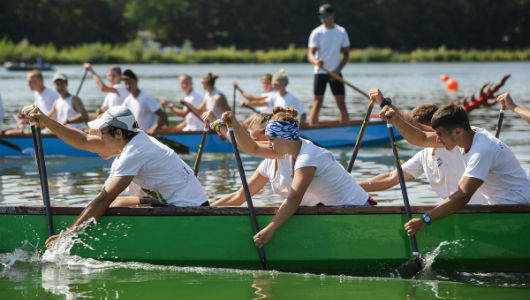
column 116, row 92
column 145, row 108
column 139, row 158
column 68, row 109
column 443, row 167
column 488, row 161
column 326, row 44
column 191, row 122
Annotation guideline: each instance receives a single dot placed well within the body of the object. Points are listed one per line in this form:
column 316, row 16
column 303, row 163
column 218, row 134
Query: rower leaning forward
column 139, row 158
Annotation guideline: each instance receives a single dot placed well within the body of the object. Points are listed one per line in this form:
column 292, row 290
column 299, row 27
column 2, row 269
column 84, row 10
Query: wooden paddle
column 250, row 205
column 200, row 151
column 365, row 121
column 499, row 122
column 415, row 252
column 41, row 164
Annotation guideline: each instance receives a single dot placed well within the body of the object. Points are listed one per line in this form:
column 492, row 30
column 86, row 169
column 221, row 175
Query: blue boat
column 329, row 136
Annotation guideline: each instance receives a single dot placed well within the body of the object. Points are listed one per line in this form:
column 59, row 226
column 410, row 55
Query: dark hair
column 423, row 113
column 326, row 9
column 210, row 78
column 449, row 117
column 127, row 134
column 115, row 68
column 130, row 74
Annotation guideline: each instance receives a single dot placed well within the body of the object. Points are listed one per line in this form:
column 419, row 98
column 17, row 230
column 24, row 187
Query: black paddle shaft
column 41, row 164
column 499, row 123
column 200, row 151
column 360, row 136
column 81, row 83
column 397, row 162
column 247, row 195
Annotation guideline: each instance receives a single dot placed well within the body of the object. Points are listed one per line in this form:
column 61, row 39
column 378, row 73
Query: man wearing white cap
column 139, row 158
column 67, row 109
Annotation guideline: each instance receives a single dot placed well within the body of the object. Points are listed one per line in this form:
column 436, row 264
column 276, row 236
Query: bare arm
column 466, row 188
column 162, row 119
column 248, row 96
column 97, row 207
column 220, row 101
column 345, row 57
column 301, row 181
column 82, row 115
column 99, row 82
column 383, row 181
column 255, row 184
column 507, row 101
column 179, row 112
column 74, row 137
column 311, row 51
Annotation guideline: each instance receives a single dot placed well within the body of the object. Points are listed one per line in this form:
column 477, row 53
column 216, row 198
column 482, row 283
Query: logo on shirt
column 439, row 161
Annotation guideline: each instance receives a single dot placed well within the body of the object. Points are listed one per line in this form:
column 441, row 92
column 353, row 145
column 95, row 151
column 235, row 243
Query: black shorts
column 319, row 85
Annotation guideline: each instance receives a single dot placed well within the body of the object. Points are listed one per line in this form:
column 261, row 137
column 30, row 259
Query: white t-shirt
column 44, row 101
column 143, row 109
column 192, row 122
column 329, row 42
column 490, row 160
column 270, row 102
column 443, row 169
column 332, row 185
column 209, row 98
column 282, row 179
column 65, row 110
column 288, row 100
column 113, row 99
column 156, row 167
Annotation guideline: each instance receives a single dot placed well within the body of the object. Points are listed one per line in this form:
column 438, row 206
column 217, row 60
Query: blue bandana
column 283, row 130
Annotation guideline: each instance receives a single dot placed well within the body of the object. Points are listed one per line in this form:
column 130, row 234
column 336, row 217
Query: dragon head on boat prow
column 483, row 98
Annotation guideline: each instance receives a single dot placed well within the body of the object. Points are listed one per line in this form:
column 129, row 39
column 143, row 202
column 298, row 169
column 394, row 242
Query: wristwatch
column 386, row 101
column 426, row 218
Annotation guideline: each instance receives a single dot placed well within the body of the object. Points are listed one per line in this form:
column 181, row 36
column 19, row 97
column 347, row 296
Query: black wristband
column 386, row 101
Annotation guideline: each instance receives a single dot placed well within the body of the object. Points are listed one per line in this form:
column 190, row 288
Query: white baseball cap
column 116, row 116
column 60, row 76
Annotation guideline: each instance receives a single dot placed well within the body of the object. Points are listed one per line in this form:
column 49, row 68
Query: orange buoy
column 444, row 77
column 451, row 85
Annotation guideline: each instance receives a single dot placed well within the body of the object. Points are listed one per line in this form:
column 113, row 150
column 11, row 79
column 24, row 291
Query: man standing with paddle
column 326, row 43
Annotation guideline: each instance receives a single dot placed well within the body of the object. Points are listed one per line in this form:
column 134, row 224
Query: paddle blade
column 409, row 268
column 175, row 146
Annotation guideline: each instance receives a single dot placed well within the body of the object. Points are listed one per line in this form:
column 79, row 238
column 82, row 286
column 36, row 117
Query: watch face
column 427, row 218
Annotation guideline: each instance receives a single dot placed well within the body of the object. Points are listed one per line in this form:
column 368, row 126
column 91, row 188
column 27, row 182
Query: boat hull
column 351, row 240
column 327, row 137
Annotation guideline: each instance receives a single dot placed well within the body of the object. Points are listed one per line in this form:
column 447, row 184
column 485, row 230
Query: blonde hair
column 183, row 76
column 267, row 76
column 284, row 114
column 34, row 73
column 210, row 78
column 281, row 77
column 259, row 122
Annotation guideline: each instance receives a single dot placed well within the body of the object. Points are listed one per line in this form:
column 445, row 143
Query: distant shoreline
column 137, row 52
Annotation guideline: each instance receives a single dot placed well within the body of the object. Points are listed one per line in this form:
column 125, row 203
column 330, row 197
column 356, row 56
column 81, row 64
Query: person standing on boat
column 313, row 170
column 191, row 122
column 139, row 158
column 68, row 109
column 326, row 43
column 507, row 101
column 116, row 92
column 145, row 108
column 282, row 98
column 488, row 161
column 214, row 100
column 443, row 167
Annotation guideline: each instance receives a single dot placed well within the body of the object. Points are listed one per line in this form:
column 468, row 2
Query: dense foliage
column 265, row 24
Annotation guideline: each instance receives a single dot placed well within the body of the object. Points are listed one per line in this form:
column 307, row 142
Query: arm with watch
column 466, row 188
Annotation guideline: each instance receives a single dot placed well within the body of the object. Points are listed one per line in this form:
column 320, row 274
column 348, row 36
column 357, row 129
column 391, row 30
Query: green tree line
column 264, row 24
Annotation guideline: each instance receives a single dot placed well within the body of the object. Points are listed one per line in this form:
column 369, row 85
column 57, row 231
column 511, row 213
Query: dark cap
column 326, row 9
column 130, row 74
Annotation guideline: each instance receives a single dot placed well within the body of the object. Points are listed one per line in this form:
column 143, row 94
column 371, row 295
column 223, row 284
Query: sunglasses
column 322, row 17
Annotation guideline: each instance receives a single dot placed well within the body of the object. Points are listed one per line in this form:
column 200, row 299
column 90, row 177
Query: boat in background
column 327, row 136
column 24, row 66
column 331, row 240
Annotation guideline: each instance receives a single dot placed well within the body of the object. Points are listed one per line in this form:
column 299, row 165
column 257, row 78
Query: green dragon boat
column 332, row 240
